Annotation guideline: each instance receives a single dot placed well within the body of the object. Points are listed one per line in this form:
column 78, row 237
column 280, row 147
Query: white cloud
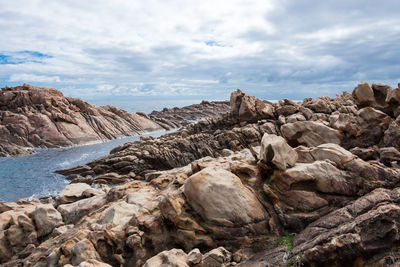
column 34, row 78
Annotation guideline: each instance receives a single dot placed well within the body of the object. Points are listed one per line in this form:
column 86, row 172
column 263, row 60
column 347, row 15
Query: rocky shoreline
column 312, row 183
column 42, row 117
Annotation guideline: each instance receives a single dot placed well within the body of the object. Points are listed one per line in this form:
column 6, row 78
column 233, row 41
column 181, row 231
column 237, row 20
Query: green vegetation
column 264, row 243
column 287, row 240
column 295, row 261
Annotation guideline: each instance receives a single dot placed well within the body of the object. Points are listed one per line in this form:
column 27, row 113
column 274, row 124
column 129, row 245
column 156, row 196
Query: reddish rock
column 248, row 108
column 42, row 117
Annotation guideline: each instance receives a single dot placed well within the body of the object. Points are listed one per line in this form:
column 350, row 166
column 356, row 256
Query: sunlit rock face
column 42, row 117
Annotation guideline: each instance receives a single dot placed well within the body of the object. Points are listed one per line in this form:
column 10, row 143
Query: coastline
column 326, row 169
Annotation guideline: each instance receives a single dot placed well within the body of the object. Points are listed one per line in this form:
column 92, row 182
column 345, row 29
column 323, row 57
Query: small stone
column 194, row 256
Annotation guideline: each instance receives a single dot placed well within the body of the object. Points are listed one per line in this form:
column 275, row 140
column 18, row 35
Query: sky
column 200, row 49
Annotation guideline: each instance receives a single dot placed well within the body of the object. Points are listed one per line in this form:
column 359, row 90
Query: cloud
column 34, row 78
column 270, row 48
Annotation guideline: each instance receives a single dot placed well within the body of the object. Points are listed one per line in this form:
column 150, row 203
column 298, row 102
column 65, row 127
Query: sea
column 33, row 176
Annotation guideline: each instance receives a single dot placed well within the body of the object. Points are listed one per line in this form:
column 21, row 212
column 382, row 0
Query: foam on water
column 33, row 175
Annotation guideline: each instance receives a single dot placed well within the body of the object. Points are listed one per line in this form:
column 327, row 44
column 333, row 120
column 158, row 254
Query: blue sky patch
column 21, row 57
column 213, row 43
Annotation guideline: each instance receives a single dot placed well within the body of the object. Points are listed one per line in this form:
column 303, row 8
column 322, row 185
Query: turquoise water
column 33, row 175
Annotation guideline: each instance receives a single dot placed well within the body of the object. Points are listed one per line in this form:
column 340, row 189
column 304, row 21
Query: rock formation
column 42, row 117
column 177, row 117
column 313, row 183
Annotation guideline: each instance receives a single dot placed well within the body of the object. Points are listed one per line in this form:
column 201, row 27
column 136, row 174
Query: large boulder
column 393, row 96
column 118, row 214
column 275, row 150
column 216, row 258
column 247, row 108
column 332, row 152
column 363, row 95
column 194, row 256
column 46, row 218
column 73, row 212
column 174, row 257
column 74, row 192
column 380, row 94
column 310, row 133
column 220, row 197
column 372, row 125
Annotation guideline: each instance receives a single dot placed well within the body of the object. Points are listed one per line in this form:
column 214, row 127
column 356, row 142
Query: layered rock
column 131, row 223
column 276, row 151
column 42, row 117
column 170, row 118
column 209, row 137
column 245, row 107
column 228, row 190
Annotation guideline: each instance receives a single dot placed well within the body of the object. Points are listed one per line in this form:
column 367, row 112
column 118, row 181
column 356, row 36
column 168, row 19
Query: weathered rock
column 310, row 133
column 46, row 218
column 296, row 117
column 177, row 117
column 389, row 156
column 216, row 258
column 220, row 196
column 372, row 124
column 5, row 250
column 320, row 105
column 347, row 123
column 393, row 96
column 364, row 95
column 365, row 153
column 368, row 225
column 194, row 257
column 248, row 108
column 72, row 212
column 275, row 150
column 392, row 134
column 72, row 192
column 43, row 117
column 118, row 214
column 175, row 149
column 82, row 251
column 329, row 177
column 173, row 257
column 233, row 205
column 380, row 94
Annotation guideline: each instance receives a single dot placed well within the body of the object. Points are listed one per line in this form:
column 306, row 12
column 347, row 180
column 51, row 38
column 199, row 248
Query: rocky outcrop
column 209, row 137
column 274, row 150
column 42, row 117
column 246, row 108
column 353, row 233
column 314, row 183
column 233, row 205
column 170, row 118
column 310, row 133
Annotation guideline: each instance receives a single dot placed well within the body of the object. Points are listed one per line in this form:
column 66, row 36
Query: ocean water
column 33, row 175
